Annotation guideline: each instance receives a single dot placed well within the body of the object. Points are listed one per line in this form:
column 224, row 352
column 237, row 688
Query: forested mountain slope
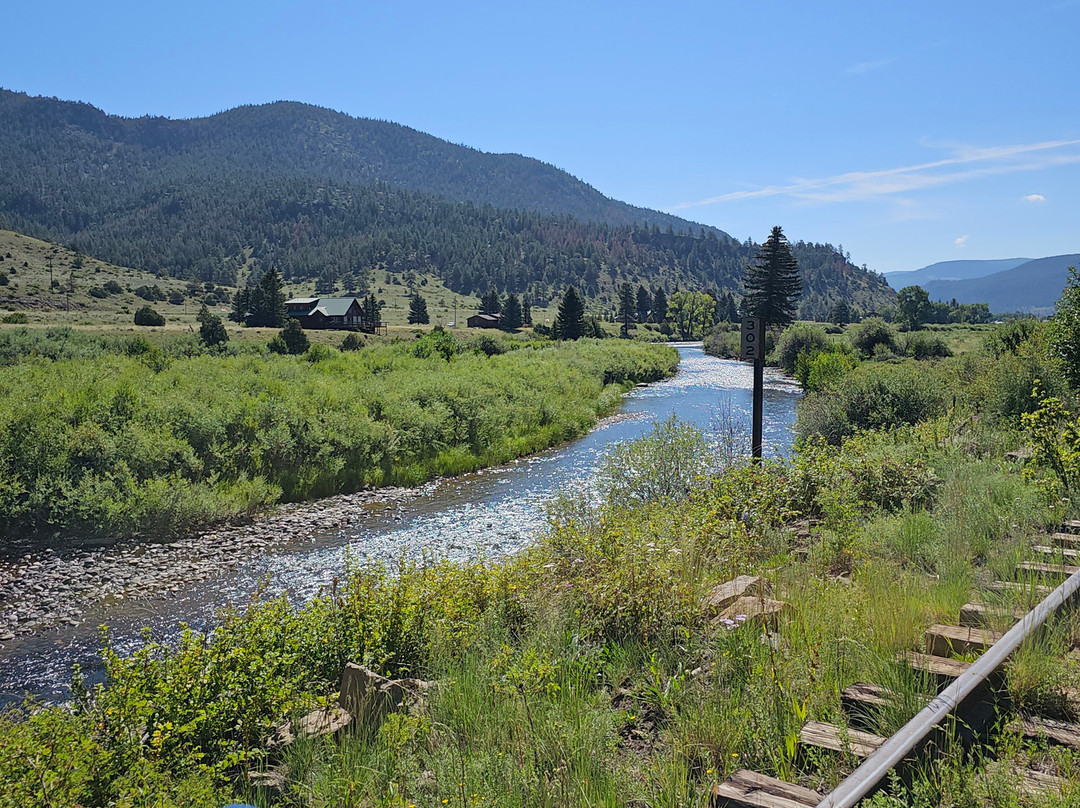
column 1033, row 287
column 320, row 194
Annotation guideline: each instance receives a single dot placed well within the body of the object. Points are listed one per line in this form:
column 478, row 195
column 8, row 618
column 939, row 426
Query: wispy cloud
column 1036, row 198
column 973, row 161
column 866, row 67
column 962, row 241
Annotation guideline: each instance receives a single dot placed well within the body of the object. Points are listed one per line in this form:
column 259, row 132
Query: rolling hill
column 1032, row 287
column 325, row 196
column 951, row 271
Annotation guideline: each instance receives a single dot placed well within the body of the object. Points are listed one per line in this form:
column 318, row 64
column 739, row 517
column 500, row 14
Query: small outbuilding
column 485, row 321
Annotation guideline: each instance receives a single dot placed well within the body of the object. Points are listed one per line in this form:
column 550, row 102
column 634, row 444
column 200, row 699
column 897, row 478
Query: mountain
column 951, row 271
column 319, row 194
column 1032, row 287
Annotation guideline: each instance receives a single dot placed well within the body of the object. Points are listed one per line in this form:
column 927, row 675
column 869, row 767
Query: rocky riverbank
column 45, row 588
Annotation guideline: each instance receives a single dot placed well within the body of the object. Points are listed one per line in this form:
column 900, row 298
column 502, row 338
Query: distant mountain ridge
column 951, row 271
column 320, row 142
column 1033, row 287
column 319, row 194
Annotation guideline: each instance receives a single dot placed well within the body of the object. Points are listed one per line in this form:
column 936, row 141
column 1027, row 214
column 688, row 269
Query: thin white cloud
column 962, row 241
column 1036, row 198
column 866, row 67
column 861, row 185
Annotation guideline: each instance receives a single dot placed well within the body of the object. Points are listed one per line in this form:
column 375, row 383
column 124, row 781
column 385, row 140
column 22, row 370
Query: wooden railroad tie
column 944, row 640
column 1072, row 525
column 1065, row 539
column 1042, row 568
column 747, row 789
column 1064, row 552
column 979, row 615
column 840, row 739
column 1058, row 732
column 941, row 667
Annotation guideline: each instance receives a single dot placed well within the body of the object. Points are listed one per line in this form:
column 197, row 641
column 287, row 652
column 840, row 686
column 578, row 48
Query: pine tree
column 490, row 303
column 659, row 306
column 644, row 303
column 211, row 330
column 772, row 283
column 512, row 316
column 266, row 302
column 369, row 311
column 840, row 313
column 418, row 313
column 627, row 305
column 570, row 321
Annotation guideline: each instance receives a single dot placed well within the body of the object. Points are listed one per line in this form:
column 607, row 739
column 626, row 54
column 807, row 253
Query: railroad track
column 968, row 694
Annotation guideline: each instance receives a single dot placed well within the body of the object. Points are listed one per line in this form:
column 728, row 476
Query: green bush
column 1009, row 336
column 925, row 345
column 870, row 333
column 799, row 339
column 824, row 369
column 351, row 343
column 872, row 396
column 147, row 316
column 15, row 318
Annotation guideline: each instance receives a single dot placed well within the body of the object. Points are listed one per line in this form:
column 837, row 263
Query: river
column 489, row 513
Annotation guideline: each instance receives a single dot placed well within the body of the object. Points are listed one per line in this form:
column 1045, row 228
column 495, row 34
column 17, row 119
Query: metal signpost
column 753, row 348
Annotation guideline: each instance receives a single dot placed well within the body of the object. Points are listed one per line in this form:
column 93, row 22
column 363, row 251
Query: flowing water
column 489, row 513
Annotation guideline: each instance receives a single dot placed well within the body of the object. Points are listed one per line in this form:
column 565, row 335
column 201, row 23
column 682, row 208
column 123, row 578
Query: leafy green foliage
column 870, row 333
column 145, row 442
column 913, row 306
column 1065, row 328
column 663, row 465
column 801, row 339
column 870, row 397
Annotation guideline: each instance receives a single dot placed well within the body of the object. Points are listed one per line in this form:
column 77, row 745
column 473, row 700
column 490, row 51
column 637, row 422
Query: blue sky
column 907, row 132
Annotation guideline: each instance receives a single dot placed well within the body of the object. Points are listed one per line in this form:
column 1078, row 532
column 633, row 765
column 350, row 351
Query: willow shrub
column 145, row 443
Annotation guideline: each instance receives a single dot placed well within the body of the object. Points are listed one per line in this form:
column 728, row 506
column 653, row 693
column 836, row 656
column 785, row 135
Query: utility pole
column 753, row 348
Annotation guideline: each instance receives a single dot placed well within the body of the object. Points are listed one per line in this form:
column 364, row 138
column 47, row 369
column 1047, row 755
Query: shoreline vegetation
column 594, row 667
column 130, row 438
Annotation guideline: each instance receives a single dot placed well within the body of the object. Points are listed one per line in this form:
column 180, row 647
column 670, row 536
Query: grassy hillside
column 50, row 283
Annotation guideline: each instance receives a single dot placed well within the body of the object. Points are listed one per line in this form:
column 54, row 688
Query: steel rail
column 867, row 777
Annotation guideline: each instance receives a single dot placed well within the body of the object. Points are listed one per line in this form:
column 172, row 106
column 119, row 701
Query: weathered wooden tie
column 944, row 640
column 1059, row 732
column 1063, row 552
column 1042, row 568
column 1065, row 539
column 747, row 789
column 941, row 667
column 978, row 615
column 1071, row 524
column 1021, row 587
column 840, row 739
column 1037, row 784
